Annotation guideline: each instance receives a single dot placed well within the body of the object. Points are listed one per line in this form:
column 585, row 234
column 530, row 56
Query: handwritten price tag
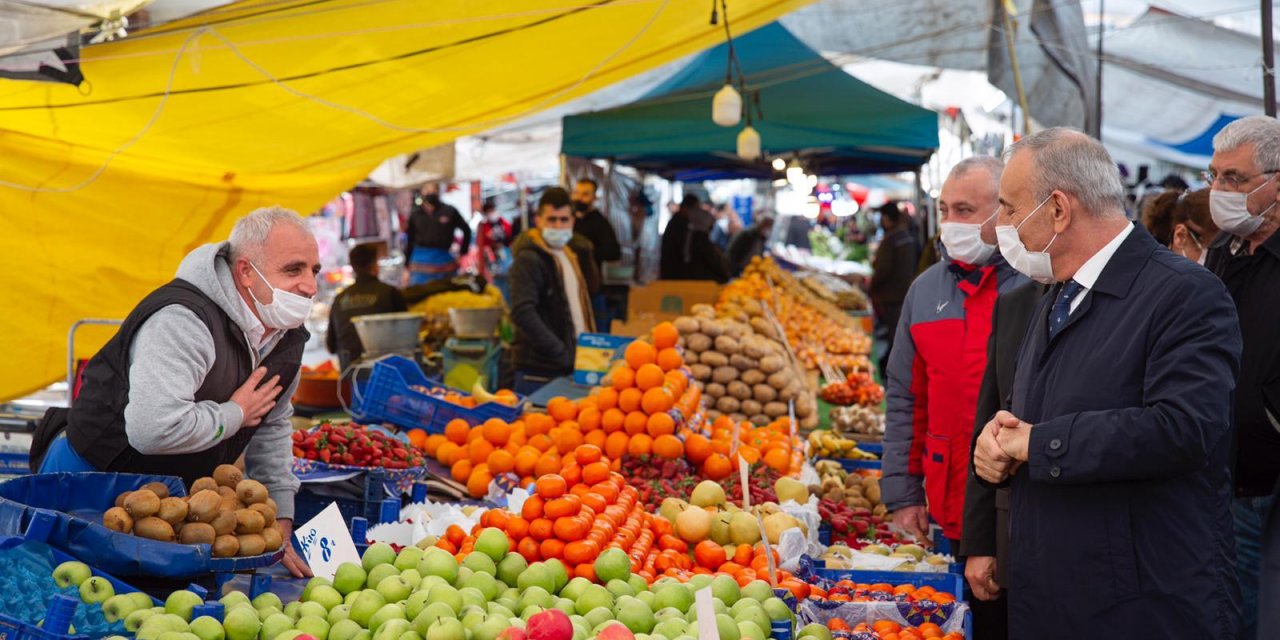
column 326, row 542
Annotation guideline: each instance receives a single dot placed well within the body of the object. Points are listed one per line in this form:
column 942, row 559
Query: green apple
column 530, row 611
column 699, row 582
column 637, row 584
column 748, row 629
column 208, row 628
column 753, row 614
column 490, row 629
column 394, row 588
column 313, row 625
column 559, row 573
column 378, row 553
column 393, row 629
column 325, row 596
column 594, row 597
column 446, row 594
column 757, row 590
column 447, row 629
column 669, row 629
column 340, row 612
column 674, row 595
column 536, row 596
column 349, row 577
column 408, row 558
column 472, row 597
column 613, row 564
column 575, row 588
column 438, row 562
column 312, row 584
column 380, row 573
column 135, row 619
column 412, row 577
column 267, row 599
column 428, row 616
column 815, row 630
column 267, row 612
column 669, row 612
column 726, row 589
column 291, row 610
column 495, row 609
column 647, row 598
column 566, row 605
column 486, row 584
column 510, row 567
column 777, row 609
column 366, row 604
column 96, row 590
column 71, row 574
column 473, row 618
column 393, row 611
column 537, row 575
column 463, row 574
column 233, row 598
column 313, row 609
column 594, row 617
column 620, row 588
column 274, row 625
column 727, row 627
column 416, row 602
column 480, row 562
column 635, row 614
column 118, row 607
column 411, row 635
column 493, row 543
column 344, row 630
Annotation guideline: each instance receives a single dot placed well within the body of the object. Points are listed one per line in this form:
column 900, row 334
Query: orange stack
column 771, row 444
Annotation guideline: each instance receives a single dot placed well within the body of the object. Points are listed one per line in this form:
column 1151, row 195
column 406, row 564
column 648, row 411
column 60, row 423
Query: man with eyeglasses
column 1246, row 255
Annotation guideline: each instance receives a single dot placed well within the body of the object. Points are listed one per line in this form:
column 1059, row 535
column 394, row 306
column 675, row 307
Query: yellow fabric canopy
column 184, row 127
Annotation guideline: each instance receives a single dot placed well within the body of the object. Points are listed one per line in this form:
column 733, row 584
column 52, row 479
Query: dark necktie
column 1062, row 307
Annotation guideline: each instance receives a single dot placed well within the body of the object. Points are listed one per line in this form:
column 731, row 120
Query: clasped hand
column 1002, row 447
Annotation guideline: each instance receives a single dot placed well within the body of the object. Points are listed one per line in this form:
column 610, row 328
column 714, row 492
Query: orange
column 589, row 419
column 550, row 486
column 709, row 554
column 478, row 484
column 612, row 420
column 538, row 423
column 567, row 439
column 563, row 506
column 542, row 442
column 461, row 471
column 777, row 459
column 526, row 459
column 930, row 630
column 418, row 438
column 668, row 446
column 606, row 398
column 480, row 450
column 496, row 431
column 595, row 438
column 649, row 376
column 670, row 359
column 541, row 529
column 641, row 444
column 445, row 452
column 459, row 453
column 640, row 353
column 595, row 472
column 532, row 509
column 637, row 422
column 665, row 335
column 615, row 446
column 457, row 430
column 657, row 400
column 562, row 409
column 750, row 454
column 552, row 548
column 586, row 454
column 624, row 377
column 697, row 448
column 717, row 467
column 661, row 424
column 433, row 442
column 548, row 463
column 501, row 461
column 629, row 400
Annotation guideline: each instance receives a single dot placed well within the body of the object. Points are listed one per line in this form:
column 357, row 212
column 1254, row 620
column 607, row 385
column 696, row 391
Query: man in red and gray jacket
column 939, row 355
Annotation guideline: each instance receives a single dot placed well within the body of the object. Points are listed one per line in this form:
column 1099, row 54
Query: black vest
column 96, row 428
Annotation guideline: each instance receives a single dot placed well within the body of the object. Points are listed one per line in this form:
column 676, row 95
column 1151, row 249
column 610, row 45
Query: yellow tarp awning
column 182, row 128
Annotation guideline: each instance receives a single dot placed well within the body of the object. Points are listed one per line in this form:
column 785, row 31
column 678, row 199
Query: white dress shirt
column 1087, row 274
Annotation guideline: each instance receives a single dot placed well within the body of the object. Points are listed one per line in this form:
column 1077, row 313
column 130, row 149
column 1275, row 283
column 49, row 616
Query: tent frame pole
column 1268, row 62
column 1010, row 31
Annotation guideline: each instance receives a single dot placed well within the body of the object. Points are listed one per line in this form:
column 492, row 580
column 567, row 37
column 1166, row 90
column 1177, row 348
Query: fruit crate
column 362, row 496
column 389, row 396
column 951, row 583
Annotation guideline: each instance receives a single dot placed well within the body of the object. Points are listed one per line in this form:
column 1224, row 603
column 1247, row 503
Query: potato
column 690, row 356
column 779, row 379
column 754, row 350
column 698, row 342
column 728, row 404
column 726, row 344
column 739, row 390
column 805, row 405
column 703, row 311
column 751, row 407
column 743, row 363
column 701, row 372
column 763, row 393
column 764, row 327
column 713, row 359
column 775, row 409
column 724, row 375
column 686, row 325
column 714, row 389
column 738, row 329
column 753, row 376
column 711, row 327
column 772, row 364
column 811, row 421
column 752, row 307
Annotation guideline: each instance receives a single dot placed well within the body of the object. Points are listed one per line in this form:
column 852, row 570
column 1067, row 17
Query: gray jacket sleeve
column 269, row 458
column 171, row 354
column 902, row 484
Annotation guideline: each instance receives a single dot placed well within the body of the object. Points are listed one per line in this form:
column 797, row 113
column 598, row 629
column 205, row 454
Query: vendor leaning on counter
column 195, row 375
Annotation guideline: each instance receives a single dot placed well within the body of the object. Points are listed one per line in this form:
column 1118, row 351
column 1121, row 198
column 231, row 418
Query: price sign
column 326, row 542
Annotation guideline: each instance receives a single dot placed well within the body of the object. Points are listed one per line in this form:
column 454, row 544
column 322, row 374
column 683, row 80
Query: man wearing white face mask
column 1116, row 437
column 202, row 370
column 937, row 362
column 1246, row 255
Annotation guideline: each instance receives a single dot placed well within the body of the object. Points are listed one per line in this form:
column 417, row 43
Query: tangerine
column 657, row 400
column 629, row 400
column 445, row 452
column 668, row 446
column 670, row 359
column 568, row 439
column 586, row 454
column 640, row 445
column 538, row 423
column 456, row 431
column 501, row 461
column 661, row 424
column 624, row 377
column 478, row 484
column 562, row 409
column 461, row 470
column 778, row 459
column 595, row 438
column 615, row 446
column 649, row 376
column 548, row 463
column 612, row 420
column 480, row 450
column 433, row 442
column 595, row 472
column 606, row 398
column 496, row 431
column 698, row 448
column 636, row 423
column 589, row 419
column 717, row 467
column 526, row 459
column 665, row 335
column 640, row 353
column 550, row 486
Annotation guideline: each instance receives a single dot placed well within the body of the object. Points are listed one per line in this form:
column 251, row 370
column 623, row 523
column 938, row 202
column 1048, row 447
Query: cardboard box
column 667, row 299
column 595, row 352
column 638, row 325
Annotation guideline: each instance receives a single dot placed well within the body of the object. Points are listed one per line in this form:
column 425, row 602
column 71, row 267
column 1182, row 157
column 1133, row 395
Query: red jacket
column 932, row 381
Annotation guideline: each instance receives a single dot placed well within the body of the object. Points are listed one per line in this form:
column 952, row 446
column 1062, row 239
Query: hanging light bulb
column 779, row 164
column 749, row 143
column 795, row 173
column 726, row 107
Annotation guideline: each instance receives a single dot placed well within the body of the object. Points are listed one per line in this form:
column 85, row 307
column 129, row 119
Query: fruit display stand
column 861, row 596
column 399, row 392
column 389, row 468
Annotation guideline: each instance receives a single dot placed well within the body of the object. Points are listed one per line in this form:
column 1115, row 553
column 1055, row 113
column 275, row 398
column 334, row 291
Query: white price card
column 326, row 542
column 705, row 606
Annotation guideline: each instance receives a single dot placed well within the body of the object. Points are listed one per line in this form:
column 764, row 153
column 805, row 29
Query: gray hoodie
column 172, row 352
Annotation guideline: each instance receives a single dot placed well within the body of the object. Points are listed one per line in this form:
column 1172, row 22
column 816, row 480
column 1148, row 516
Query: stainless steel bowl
column 389, row 332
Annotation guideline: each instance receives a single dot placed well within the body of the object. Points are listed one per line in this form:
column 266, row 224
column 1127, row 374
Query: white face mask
column 1230, row 211
column 1034, row 264
column 964, row 241
column 286, row 311
column 557, row 238
column 1199, row 260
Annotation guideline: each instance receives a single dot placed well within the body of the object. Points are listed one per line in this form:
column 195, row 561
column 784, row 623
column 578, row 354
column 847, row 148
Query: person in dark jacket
column 1246, row 255
column 550, row 303
column 892, row 270
column 1269, row 580
column 430, row 237
column 687, row 252
column 589, row 223
column 1117, row 440
column 749, row 243
column 367, row 295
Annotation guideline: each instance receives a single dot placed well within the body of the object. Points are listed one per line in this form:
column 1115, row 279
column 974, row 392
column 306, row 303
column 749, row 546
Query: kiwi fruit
column 268, row 512
column 203, row 506
column 117, row 519
column 252, row 544
column 172, row 510
column 203, row 483
column 272, row 538
column 227, row 475
column 142, row 504
column 249, row 521
column 225, row 546
column 153, row 528
column 227, row 492
column 159, row 488
column 120, row 499
column 197, row 533
column 224, row 522
column 251, row 492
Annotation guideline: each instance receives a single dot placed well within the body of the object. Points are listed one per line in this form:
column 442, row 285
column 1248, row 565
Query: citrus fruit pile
column 890, row 630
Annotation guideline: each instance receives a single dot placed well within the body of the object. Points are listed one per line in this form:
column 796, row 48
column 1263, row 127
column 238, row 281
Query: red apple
column 552, row 624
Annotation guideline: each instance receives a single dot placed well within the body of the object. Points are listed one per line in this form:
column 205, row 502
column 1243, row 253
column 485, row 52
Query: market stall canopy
column 180, row 129
column 837, row 123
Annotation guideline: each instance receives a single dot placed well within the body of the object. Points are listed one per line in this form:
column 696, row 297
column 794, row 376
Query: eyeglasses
column 1232, row 180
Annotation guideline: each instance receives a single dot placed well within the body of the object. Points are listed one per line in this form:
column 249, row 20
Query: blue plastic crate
column 856, row 465
column 876, row 448
column 373, row 504
column 945, row 582
column 388, row 396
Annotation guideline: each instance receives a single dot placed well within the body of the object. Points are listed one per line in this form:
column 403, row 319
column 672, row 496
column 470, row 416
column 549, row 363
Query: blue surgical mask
column 557, row 238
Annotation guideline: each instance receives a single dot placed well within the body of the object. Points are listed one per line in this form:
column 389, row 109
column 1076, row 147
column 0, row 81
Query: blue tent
column 834, row 122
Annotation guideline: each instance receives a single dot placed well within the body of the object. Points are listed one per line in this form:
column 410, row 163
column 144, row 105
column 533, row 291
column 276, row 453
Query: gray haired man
column 202, row 370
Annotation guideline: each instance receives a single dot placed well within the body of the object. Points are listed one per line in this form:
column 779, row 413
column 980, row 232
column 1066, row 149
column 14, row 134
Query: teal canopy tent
column 808, row 107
